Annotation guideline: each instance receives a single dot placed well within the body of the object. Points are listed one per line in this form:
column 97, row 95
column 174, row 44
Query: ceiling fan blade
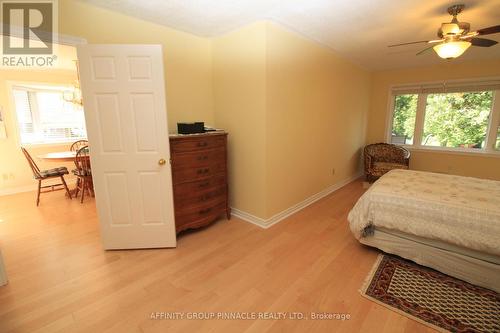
column 483, row 42
column 425, row 50
column 469, row 35
column 490, row 30
column 409, row 43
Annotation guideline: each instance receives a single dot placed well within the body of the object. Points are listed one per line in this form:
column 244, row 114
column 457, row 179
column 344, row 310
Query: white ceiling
column 359, row 30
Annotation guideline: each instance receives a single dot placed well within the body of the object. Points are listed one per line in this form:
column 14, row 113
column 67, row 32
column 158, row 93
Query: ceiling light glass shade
column 450, row 28
column 451, row 50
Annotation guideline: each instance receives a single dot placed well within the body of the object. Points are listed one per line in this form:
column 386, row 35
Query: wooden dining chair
column 75, row 146
column 83, row 172
column 42, row 175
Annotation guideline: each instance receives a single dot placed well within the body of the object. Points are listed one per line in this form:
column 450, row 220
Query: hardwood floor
column 60, row 279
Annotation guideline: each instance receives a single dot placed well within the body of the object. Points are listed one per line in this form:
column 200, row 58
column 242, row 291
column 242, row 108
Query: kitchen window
column 44, row 117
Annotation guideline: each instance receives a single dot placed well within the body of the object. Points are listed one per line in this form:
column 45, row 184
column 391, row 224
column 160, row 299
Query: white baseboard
column 266, row 223
column 19, row 189
column 28, row 188
column 249, row 218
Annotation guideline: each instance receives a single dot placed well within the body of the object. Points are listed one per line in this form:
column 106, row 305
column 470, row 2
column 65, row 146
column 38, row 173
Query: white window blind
column 448, row 87
column 44, row 117
column 24, row 115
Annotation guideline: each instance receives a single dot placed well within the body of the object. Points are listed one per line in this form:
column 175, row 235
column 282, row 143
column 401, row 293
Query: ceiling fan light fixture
column 451, row 50
column 74, row 95
column 450, row 29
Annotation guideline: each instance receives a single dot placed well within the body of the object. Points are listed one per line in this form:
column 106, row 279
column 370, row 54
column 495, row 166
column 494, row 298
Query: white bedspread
column 460, row 210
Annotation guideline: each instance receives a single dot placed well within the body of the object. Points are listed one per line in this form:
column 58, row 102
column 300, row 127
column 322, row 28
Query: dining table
column 60, row 156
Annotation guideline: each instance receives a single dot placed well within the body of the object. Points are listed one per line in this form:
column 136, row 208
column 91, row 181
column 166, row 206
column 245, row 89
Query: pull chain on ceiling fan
column 455, row 37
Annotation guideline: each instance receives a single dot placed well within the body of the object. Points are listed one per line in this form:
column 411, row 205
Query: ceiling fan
column 455, row 37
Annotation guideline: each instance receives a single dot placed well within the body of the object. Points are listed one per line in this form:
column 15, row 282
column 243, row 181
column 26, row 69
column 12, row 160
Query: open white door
column 125, row 110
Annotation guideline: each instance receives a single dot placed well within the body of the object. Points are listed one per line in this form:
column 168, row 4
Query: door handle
column 162, row 161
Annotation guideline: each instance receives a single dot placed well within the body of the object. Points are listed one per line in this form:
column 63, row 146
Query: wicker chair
column 381, row 158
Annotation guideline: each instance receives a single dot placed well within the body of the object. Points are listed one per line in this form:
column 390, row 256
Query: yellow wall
column 294, row 111
column 239, row 104
column 460, row 164
column 188, row 60
column 14, row 170
column 188, row 75
column 317, row 104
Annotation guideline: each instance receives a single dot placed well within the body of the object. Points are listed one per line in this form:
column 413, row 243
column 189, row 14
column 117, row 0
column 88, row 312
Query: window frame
column 491, row 134
column 11, row 85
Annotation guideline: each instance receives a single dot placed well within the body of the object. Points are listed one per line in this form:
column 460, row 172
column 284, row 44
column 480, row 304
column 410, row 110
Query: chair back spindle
column 78, row 144
column 31, row 162
column 82, row 161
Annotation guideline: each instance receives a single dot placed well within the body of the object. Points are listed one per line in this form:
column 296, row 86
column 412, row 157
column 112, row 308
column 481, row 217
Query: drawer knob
column 204, row 211
column 205, row 184
column 203, row 171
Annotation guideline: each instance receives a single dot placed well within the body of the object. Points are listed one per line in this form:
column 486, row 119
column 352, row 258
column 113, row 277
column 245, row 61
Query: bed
column 449, row 223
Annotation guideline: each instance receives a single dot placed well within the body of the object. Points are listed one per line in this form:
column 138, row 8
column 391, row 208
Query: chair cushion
column 54, row 172
column 381, row 168
column 82, row 173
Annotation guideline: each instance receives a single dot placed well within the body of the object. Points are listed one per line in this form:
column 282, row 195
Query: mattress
column 461, row 211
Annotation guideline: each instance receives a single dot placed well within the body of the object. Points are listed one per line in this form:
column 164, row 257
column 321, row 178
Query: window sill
column 49, row 144
column 454, row 151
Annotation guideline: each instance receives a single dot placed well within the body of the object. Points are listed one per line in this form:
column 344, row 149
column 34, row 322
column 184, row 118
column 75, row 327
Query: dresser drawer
column 199, row 186
column 199, row 143
column 198, row 158
column 199, row 208
column 199, row 217
column 200, row 197
column 189, row 174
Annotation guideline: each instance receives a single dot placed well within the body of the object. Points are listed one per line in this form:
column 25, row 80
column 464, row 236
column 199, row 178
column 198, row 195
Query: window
column 457, row 116
column 497, row 145
column 44, row 117
column 457, row 119
column 403, row 123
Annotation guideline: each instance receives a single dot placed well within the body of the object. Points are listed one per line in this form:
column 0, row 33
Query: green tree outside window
column 405, row 111
column 457, row 119
column 451, row 119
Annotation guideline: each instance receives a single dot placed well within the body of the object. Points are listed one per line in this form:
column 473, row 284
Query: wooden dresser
column 199, row 177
